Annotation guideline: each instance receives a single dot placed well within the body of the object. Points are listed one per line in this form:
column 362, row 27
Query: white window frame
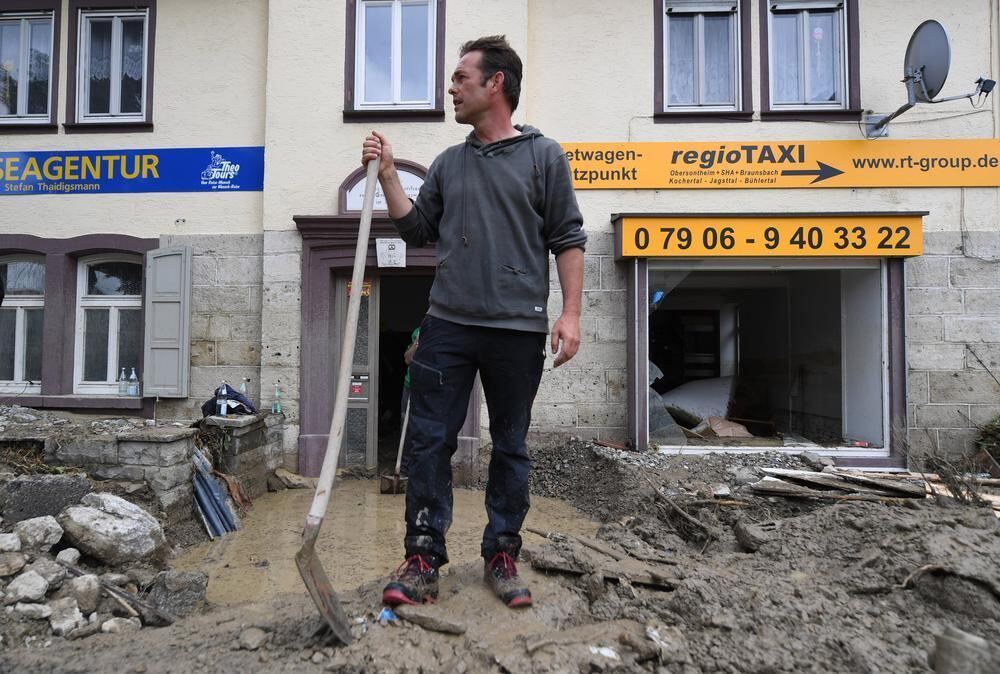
column 802, row 8
column 698, row 8
column 83, row 66
column 27, row 19
column 395, row 60
column 115, row 304
column 19, row 303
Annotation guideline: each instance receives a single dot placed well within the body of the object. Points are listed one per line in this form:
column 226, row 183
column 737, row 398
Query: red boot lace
column 416, row 564
column 503, row 565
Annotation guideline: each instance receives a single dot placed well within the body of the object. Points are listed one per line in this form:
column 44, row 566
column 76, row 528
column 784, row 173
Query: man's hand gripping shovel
column 310, row 568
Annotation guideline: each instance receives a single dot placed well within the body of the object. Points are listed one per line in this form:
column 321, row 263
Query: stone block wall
column 226, row 297
column 159, row 456
column 250, row 448
column 953, row 339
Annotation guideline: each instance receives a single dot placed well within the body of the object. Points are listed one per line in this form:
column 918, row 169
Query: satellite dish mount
column 925, row 69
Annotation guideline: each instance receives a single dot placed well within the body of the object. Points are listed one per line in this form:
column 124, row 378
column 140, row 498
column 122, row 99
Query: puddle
column 361, row 539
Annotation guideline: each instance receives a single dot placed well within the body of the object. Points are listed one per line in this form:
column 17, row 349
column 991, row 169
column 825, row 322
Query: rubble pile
column 93, row 567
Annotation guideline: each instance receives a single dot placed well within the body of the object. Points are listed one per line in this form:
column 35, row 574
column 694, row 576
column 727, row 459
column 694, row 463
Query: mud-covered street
column 741, row 583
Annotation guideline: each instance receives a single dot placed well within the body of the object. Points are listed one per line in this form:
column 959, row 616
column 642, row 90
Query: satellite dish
column 925, row 68
column 929, row 55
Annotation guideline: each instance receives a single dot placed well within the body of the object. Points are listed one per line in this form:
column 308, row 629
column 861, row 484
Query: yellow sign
column 779, row 236
column 753, row 164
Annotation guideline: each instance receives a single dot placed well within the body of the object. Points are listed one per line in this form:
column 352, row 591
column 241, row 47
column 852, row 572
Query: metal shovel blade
column 319, row 585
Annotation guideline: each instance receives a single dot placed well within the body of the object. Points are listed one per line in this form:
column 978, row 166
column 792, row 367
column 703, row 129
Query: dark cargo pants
column 444, row 368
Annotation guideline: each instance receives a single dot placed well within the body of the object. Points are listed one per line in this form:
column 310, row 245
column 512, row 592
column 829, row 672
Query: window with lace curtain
column 702, row 55
column 26, row 66
column 21, row 324
column 809, row 59
column 112, row 65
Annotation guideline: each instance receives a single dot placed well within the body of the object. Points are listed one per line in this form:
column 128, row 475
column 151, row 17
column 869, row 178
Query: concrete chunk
column 28, row 587
column 39, row 533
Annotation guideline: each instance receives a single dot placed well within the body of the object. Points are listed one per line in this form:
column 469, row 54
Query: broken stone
column 253, row 638
column 121, row 625
column 274, row 483
column 28, row 587
column 142, row 576
column 92, row 627
column 10, row 543
column 39, row 533
column 11, row 563
column 817, row 462
column 752, row 536
column 86, row 590
column 29, row 496
column 114, row 531
column 66, row 616
column 68, row 556
column 743, row 476
column 293, row 481
column 179, row 593
column 54, row 574
column 33, row 611
column 671, row 642
column 429, row 619
column 116, row 579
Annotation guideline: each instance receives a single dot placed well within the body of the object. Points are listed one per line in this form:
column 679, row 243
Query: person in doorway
column 496, row 205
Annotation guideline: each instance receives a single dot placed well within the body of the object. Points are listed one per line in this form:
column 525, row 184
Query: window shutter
column 167, row 358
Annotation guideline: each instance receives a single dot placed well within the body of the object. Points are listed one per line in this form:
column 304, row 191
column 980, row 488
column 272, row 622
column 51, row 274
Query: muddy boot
column 415, row 582
column 500, row 573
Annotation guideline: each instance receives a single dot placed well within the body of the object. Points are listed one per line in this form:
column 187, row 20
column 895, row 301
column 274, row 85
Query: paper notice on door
column 390, row 252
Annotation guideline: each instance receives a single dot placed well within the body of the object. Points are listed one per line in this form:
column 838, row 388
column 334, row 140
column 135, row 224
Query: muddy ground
column 832, row 587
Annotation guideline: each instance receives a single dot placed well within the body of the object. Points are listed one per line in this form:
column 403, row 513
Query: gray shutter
column 167, row 347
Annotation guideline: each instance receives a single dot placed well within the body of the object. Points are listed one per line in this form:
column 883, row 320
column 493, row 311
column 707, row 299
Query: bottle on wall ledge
column 133, row 384
column 122, row 384
column 222, row 401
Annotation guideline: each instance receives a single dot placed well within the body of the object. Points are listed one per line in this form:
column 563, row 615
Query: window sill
column 393, row 116
column 688, row 116
column 26, row 127
column 77, row 402
column 806, row 115
column 108, row 127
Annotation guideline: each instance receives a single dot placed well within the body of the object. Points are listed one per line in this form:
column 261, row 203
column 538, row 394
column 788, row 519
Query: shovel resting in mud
column 394, row 484
column 306, row 559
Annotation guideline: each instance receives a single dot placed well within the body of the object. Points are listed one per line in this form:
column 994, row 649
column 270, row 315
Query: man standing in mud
column 495, row 205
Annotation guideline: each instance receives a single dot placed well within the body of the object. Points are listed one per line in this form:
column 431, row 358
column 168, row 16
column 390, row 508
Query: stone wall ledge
column 157, row 434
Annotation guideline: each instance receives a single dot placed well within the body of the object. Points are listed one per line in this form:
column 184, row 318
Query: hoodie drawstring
column 465, row 238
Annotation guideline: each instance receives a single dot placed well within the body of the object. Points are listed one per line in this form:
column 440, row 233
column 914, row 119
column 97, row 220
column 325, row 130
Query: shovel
column 394, row 484
column 306, row 559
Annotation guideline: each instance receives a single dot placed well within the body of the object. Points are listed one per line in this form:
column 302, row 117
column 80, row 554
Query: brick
column 941, row 416
column 983, row 414
column 921, row 442
column 943, row 243
column 282, row 241
column 613, row 275
column 199, row 326
column 203, row 353
column 130, row 473
column 588, row 329
column 550, row 415
column 240, row 270
column 616, row 434
column 967, row 272
column 238, row 353
column 962, row 387
column 217, row 244
column 933, row 301
column 958, row 442
column 611, row 330
column 924, row 329
column 204, row 380
column 564, row 385
column 988, row 353
column 256, row 299
column 608, row 355
column 927, row 272
column 164, row 479
column 281, row 353
column 983, row 244
column 600, row 243
column 204, row 270
column 219, row 327
column 617, row 381
column 154, row 453
column 280, row 325
column 609, row 414
column 221, row 300
column 961, row 329
column 917, row 388
column 604, row 303
column 286, row 295
column 936, row 356
column 982, row 303
column 281, row 267
column 245, row 328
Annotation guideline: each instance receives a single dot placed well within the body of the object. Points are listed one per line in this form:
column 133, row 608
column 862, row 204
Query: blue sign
column 188, row 169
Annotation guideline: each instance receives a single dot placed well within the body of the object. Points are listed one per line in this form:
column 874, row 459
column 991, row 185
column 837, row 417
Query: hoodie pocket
column 520, row 292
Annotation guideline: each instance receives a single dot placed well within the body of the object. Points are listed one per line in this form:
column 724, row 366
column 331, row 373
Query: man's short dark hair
column 498, row 56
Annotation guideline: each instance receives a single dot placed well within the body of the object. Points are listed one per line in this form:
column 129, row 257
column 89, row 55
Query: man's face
column 469, row 95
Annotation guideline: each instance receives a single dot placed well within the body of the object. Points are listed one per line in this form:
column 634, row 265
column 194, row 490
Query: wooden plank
column 911, row 489
column 825, row 480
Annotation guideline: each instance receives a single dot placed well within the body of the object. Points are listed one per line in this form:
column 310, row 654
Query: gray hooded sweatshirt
column 496, row 211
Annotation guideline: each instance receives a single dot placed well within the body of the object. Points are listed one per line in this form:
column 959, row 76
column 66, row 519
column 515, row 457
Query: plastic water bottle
column 122, row 384
column 222, row 401
column 276, row 405
column 133, row 384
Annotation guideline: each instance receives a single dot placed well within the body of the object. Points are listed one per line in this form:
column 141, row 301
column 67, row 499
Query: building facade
column 223, row 139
